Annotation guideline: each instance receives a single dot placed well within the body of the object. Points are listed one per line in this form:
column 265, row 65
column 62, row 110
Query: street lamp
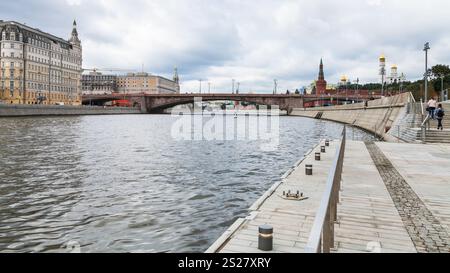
column 275, row 85
column 357, row 85
column 442, row 87
column 357, row 89
column 382, row 60
column 401, row 79
column 426, row 48
column 232, row 85
column 346, row 92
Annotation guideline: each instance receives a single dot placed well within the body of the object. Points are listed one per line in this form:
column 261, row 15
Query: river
column 123, row 184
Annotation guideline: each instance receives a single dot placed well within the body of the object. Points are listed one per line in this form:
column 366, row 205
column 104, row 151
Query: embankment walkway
column 22, row 110
column 394, row 198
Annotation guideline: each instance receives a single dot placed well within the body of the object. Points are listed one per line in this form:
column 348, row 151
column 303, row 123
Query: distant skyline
column 252, row 42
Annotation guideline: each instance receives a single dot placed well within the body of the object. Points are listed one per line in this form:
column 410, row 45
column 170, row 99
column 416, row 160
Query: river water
column 123, row 184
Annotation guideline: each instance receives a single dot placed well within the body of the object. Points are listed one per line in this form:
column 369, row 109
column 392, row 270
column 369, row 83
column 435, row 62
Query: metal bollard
column 317, row 156
column 309, row 169
column 327, row 143
column 322, row 149
column 265, row 238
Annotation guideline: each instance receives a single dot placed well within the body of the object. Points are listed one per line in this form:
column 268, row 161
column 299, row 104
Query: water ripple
column 121, row 184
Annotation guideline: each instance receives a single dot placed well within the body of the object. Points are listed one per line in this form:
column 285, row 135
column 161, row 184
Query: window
column 12, row 45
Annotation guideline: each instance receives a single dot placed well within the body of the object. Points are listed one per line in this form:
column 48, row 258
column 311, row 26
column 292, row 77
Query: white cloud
column 73, row 2
column 250, row 41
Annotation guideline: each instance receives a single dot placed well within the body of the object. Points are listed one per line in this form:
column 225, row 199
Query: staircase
column 437, row 136
column 406, row 128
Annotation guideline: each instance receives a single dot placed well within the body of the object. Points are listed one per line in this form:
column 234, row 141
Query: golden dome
column 343, row 78
column 382, row 58
column 394, row 66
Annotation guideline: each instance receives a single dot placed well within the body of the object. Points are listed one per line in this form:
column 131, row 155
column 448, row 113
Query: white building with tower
column 38, row 67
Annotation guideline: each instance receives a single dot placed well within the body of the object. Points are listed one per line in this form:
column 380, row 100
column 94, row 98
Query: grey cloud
column 251, row 41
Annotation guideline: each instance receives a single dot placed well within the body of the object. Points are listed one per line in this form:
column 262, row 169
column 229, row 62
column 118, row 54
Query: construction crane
column 108, row 69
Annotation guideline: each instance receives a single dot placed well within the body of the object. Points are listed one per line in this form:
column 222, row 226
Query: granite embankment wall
column 378, row 116
column 17, row 110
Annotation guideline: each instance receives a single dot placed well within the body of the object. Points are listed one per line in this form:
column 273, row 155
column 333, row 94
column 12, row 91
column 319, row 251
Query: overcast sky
column 252, row 41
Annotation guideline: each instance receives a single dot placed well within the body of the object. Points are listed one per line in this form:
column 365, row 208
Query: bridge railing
column 321, row 238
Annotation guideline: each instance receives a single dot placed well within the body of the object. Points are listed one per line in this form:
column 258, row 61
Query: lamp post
column 402, row 78
column 357, row 85
column 232, row 85
column 382, row 72
column 426, row 48
column 275, row 85
column 346, row 92
column 442, row 87
column 200, row 86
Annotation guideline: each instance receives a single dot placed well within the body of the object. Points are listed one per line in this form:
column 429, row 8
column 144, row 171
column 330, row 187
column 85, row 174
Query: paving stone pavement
column 425, row 230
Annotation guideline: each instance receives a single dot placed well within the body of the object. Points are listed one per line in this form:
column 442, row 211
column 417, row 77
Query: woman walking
column 432, row 107
column 440, row 116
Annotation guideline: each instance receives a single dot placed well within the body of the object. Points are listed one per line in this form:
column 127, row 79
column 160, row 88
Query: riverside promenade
column 22, row 110
column 393, row 198
column 369, row 197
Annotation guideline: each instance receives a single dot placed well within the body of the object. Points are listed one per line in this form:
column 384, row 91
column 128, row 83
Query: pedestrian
column 440, row 116
column 431, row 107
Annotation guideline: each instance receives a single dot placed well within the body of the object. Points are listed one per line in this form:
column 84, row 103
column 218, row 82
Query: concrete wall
column 378, row 117
column 15, row 110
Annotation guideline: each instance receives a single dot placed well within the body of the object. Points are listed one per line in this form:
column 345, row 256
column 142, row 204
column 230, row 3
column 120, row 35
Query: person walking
column 440, row 116
column 432, row 107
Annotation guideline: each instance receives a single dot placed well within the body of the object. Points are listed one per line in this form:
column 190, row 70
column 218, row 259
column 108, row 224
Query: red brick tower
column 321, row 84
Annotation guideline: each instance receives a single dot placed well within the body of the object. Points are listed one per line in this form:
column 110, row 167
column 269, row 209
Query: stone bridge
column 156, row 103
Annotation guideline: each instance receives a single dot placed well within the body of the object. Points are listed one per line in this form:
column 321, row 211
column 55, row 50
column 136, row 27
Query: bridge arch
column 153, row 103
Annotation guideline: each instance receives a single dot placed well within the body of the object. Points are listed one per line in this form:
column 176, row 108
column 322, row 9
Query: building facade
column 95, row 83
column 148, row 84
column 37, row 67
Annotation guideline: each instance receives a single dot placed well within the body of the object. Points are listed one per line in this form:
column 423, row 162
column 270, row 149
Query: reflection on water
column 121, row 184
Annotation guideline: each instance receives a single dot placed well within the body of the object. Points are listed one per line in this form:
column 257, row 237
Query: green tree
column 440, row 74
column 440, row 71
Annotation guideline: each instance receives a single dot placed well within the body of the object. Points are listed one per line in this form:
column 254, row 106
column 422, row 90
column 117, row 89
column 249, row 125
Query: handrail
column 321, row 238
column 423, row 110
column 426, row 121
column 424, row 126
column 411, row 96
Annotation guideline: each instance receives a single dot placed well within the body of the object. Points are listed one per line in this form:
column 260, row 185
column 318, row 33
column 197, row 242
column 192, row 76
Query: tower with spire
column 175, row 75
column 321, row 83
column 176, row 78
column 74, row 40
column 78, row 52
